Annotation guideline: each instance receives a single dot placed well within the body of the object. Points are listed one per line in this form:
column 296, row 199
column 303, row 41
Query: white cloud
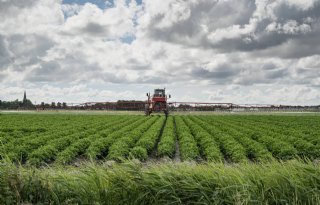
column 242, row 51
column 301, row 4
column 290, row 27
column 111, row 23
column 31, row 17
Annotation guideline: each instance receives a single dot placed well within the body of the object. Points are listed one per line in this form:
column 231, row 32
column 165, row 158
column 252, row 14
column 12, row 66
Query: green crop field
column 50, row 139
column 183, row 159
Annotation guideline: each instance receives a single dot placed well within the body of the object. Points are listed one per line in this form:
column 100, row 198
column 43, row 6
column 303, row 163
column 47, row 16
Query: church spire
column 24, row 97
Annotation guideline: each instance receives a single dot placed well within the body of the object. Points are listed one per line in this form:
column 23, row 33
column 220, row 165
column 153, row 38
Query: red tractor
column 158, row 102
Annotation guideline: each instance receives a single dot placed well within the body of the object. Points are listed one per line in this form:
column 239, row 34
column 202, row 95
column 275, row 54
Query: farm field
column 184, row 159
column 64, row 139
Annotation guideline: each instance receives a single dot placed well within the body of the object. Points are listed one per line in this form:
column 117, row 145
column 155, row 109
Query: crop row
column 209, row 147
column 146, row 144
column 80, row 146
column 306, row 145
column 283, row 146
column 121, row 147
column 99, row 148
column 167, row 142
column 188, row 145
column 250, row 148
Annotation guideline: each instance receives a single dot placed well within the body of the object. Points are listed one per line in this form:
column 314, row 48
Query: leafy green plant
column 139, row 153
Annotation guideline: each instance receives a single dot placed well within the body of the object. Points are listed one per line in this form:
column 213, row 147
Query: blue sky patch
column 128, row 39
column 100, row 3
column 103, row 4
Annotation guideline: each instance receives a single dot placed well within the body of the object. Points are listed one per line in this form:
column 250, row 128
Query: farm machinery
column 157, row 102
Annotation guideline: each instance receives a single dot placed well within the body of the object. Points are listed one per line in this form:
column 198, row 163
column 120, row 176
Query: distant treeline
column 53, row 105
column 27, row 104
column 119, row 105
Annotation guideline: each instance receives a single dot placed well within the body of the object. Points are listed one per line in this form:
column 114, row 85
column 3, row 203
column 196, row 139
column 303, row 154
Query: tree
column 64, row 105
column 42, row 105
column 28, row 104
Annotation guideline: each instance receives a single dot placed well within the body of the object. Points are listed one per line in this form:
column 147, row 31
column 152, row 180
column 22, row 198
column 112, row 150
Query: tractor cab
column 157, row 102
column 159, row 93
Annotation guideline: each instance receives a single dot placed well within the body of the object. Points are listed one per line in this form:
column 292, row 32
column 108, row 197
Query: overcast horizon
column 232, row 51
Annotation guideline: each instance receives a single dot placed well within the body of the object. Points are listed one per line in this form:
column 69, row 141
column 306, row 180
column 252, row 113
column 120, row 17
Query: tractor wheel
column 147, row 112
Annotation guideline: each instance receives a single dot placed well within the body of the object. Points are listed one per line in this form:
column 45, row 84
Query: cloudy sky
column 240, row 51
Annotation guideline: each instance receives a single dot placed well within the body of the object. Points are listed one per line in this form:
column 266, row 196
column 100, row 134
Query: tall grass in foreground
column 292, row 182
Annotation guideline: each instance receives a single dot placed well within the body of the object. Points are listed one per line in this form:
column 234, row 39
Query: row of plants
column 279, row 149
column 209, row 147
column 304, row 147
column 42, row 126
column 231, row 149
column 48, row 153
column 64, row 144
column 75, row 149
column 19, row 149
column 120, row 149
column 302, row 127
column 281, row 146
column 99, row 148
column 79, row 147
column 187, row 144
column 254, row 150
column 63, row 141
column 147, row 142
column 166, row 146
